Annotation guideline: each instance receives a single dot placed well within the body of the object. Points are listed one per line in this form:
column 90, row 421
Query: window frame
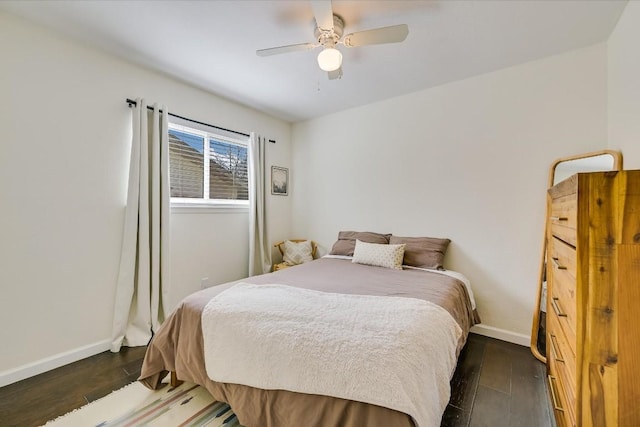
column 206, row 205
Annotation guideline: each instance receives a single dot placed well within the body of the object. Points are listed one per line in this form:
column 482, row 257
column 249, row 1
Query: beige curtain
column 259, row 247
column 143, row 279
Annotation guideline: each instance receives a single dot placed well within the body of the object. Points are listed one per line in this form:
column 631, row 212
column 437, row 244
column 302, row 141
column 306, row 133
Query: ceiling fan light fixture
column 330, row 59
column 328, row 31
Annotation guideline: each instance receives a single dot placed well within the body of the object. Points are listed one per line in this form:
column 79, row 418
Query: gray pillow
column 423, row 252
column 346, row 242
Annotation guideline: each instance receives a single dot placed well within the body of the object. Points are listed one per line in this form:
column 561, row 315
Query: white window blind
column 186, row 164
column 207, row 167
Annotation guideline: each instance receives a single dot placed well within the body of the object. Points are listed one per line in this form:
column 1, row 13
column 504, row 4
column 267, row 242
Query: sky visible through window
column 194, row 141
column 197, row 142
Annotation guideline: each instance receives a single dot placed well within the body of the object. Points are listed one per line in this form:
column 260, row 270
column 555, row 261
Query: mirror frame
column 535, row 327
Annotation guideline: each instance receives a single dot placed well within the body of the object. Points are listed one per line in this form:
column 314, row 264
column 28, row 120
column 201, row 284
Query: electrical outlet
column 204, row 282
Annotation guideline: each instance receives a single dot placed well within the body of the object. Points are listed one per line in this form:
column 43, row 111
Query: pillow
column 346, row 242
column 385, row 255
column 423, row 252
column 297, row 252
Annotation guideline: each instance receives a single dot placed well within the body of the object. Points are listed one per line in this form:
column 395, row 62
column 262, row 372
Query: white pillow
column 379, row 255
column 297, row 253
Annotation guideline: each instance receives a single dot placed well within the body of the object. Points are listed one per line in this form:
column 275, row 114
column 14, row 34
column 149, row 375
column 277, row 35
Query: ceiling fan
column 328, row 31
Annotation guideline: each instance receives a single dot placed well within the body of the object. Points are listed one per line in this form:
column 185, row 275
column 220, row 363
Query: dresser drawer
column 561, row 352
column 561, row 358
column 563, row 257
column 559, row 313
column 563, row 414
column 564, row 400
column 564, row 302
column 563, row 218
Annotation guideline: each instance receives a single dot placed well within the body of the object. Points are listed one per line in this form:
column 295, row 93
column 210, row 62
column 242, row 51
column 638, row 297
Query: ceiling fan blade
column 335, row 74
column 392, row 34
column 324, row 13
column 285, row 49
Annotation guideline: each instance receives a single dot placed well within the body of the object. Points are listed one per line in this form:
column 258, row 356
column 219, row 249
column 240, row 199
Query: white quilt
column 394, row 352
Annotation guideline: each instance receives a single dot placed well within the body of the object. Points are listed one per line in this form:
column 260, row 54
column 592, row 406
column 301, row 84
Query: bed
column 179, row 346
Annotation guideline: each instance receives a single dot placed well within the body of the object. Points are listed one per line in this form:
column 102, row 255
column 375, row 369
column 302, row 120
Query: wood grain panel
column 629, row 338
column 628, row 302
column 600, row 356
column 630, row 210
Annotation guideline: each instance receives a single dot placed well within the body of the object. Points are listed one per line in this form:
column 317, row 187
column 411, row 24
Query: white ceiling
column 212, row 44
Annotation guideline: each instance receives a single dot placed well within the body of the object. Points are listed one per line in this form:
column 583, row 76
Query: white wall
column 467, row 160
column 64, row 159
column 624, row 86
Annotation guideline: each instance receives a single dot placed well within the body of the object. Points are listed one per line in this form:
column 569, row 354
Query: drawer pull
column 559, row 218
column 556, row 262
column 556, row 307
column 556, row 405
column 554, row 350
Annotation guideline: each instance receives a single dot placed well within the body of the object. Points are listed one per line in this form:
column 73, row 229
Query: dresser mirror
column 561, row 169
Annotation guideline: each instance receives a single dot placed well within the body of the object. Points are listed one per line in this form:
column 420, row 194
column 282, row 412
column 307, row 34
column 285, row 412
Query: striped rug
column 135, row 405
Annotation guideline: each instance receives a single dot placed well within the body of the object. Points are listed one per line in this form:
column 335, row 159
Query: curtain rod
column 132, row 102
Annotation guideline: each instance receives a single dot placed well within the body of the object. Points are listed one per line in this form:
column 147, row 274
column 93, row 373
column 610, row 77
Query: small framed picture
column 279, row 181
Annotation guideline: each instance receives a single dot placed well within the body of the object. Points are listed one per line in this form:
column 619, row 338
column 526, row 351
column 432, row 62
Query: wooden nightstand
column 280, row 266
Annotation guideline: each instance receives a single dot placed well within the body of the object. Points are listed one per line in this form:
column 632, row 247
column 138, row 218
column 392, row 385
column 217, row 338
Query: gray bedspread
column 178, row 345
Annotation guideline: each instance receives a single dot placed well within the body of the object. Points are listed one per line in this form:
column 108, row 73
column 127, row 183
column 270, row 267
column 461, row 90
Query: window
column 207, row 168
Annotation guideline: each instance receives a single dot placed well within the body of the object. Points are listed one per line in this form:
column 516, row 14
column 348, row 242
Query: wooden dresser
column 593, row 304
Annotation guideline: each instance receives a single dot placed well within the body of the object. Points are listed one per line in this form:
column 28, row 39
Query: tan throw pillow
column 297, row 252
column 346, row 242
column 423, row 252
column 389, row 256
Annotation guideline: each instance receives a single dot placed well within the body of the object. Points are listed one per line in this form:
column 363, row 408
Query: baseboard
column 26, row 371
column 35, row 368
column 502, row 334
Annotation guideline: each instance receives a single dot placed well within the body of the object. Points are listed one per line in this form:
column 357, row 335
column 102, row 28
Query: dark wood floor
column 36, row 400
column 495, row 384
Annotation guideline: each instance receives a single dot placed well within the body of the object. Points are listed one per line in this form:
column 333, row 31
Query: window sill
column 207, row 208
